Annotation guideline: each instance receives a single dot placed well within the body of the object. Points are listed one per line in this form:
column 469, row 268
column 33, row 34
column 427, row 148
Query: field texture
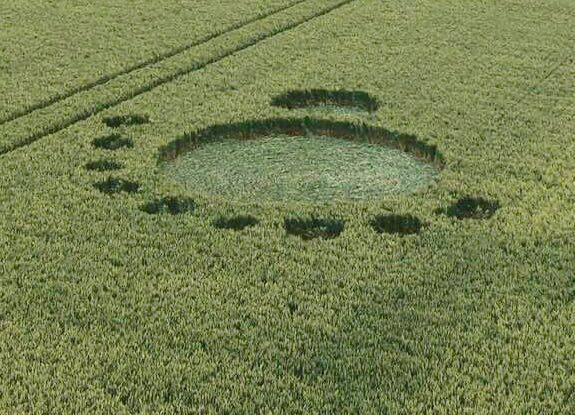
column 128, row 289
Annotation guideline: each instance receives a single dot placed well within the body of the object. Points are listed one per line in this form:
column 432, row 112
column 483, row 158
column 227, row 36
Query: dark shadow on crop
column 116, row 185
column 304, row 127
column 471, row 208
column 113, row 142
column 236, row 223
column 170, row 204
column 103, row 165
column 397, row 224
column 313, row 228
column 322, row 97
column 130, row 119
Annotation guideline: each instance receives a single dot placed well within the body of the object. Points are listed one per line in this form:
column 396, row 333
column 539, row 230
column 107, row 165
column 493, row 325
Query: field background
column 50, row 46
column 106, row 309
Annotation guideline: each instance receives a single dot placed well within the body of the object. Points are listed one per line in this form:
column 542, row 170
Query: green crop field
column 287, row 207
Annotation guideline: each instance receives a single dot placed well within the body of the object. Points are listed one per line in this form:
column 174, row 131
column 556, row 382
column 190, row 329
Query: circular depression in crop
column 299, row 165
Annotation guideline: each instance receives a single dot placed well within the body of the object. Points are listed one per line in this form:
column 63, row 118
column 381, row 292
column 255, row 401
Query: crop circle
column 309, row 161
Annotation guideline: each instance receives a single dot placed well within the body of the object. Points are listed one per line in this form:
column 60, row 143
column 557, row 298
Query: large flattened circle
column 295, row 160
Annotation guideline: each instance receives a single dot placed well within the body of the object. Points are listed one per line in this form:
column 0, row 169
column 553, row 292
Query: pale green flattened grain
column 124, row 290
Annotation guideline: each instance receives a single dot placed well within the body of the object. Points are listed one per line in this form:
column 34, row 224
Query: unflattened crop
column 141, row 309
column 353, row 100
column 113, row 142
column 472, row 208
column 236, row 223
column 311, row 228
column 116, row 185
column 397, row 224
column 173, row 205
column 129, row 119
